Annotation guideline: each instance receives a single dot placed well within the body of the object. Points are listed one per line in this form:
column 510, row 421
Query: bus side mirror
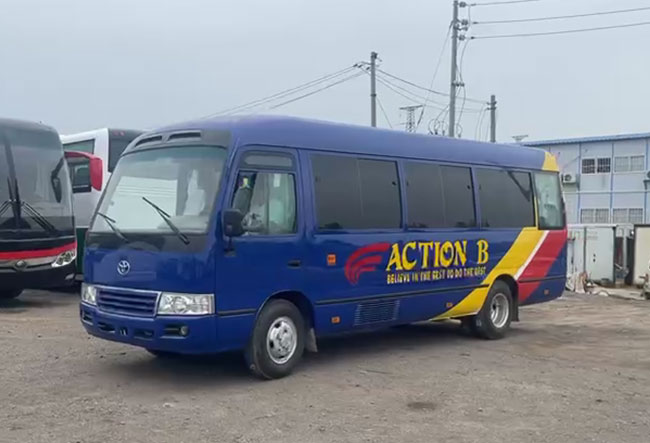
column 96, row 167
column 232, row 223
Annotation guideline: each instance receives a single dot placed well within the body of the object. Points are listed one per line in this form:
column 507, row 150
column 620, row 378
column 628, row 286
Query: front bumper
column 162, row 333
column 38, row 277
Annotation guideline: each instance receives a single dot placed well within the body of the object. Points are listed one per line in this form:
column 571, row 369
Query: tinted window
column 82, row 146
column 116, row 146
column 439, row 196
column 459, row 196
column 264, row 160
column 79, row 174
column 550, row 208
column 356, row 193
column 506, row 198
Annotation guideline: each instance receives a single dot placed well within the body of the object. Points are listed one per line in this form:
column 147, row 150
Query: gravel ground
column 575, row 370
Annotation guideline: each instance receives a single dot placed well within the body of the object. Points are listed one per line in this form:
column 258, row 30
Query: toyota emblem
column 123, row 267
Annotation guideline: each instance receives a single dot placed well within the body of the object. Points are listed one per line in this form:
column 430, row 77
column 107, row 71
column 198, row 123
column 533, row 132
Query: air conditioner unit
column 569, row 179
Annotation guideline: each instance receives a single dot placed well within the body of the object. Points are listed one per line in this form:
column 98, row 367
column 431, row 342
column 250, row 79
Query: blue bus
column 263, row 234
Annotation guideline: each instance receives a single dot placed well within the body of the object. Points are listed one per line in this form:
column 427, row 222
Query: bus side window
column 268, row 202
column 550, row 207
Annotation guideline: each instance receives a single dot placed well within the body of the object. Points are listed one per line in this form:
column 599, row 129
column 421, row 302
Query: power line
column 411, row 96
column 383, row 111
column 425, row 89
column 503, row 3
column 282, row 94
column 420, row 98
column 433, row 77
column 559, row 17
column 568, row 31
column 343, row 80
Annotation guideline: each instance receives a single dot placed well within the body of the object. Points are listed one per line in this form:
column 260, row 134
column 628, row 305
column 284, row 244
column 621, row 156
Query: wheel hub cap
column 499, row 311
column 281, row 340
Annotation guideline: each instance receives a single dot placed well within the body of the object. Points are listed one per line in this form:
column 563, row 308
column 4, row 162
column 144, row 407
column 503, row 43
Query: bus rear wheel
column 9, row 294
column 277, row 342
column 493, row 320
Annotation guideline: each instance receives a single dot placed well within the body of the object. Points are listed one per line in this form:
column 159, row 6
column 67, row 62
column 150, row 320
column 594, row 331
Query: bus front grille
column 128, row 302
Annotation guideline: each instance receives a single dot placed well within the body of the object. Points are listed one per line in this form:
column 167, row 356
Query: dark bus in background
column 37, row 241
column 92, row 156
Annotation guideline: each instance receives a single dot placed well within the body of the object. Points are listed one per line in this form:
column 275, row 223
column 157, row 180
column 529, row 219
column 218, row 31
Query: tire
column 493, row 320
column 277, row 342
column 10, row 294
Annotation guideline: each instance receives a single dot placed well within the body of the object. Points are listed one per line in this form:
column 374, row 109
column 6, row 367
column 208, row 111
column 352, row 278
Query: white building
column 605, row 179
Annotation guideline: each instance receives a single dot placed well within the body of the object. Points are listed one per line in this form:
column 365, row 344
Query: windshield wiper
column 5, row 205
column 112, row 224
column 40, row 219
column 168, row 220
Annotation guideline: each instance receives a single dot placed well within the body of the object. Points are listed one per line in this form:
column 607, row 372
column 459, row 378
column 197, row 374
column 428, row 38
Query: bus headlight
column 89, row 294
column 65, row 258
column 185, row 304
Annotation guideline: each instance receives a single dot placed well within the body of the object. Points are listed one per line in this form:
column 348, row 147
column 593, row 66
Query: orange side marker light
column 336, row 320
column 331, row 259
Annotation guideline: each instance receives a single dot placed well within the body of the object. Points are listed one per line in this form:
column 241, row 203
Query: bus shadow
column 197, row 372
column 30, row 300
column 184, row 372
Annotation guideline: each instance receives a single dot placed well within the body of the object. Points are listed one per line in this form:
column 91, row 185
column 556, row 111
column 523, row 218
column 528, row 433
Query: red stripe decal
column 542, row 262
column 38, row 253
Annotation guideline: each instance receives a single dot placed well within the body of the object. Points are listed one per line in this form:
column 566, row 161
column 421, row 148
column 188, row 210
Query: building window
column 604, row 165
column 601, row 216
column 620, row 215
column 637, row 163
column 636, row 215
column 587, row 216
column 621, row 164
column 589, row 166
column 597, row 215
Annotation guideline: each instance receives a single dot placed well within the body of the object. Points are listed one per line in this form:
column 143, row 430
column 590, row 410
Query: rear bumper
column 38, row 277
column 158, row 333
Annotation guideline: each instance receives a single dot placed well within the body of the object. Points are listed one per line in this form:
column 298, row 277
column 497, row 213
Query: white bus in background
column 91, row 157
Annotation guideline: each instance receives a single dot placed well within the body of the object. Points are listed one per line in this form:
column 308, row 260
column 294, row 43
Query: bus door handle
column 294, row 263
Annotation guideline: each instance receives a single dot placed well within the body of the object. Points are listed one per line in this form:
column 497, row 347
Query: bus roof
column 85, row 135
column 25, row 125
column 345, row 138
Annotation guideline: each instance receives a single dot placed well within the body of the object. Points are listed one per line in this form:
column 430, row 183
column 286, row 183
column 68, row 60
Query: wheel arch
column 514, row 291
column 306, row 308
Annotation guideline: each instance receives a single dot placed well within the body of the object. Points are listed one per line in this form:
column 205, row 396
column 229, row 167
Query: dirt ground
column 575, row 370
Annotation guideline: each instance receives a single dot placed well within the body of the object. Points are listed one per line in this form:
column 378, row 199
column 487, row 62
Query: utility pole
column 373, row 89
column 493, row 118
column 410, row 116
column 454, row 74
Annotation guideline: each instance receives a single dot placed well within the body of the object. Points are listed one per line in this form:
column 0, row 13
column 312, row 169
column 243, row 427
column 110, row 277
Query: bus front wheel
column 493, row 320
column 277, row 342
column 9, row 294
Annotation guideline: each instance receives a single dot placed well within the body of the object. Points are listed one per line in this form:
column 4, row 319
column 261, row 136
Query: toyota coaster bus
column 37, row 242
column 263, row 234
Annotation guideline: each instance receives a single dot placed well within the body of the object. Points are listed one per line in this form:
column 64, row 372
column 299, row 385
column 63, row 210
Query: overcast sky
column 83, row 64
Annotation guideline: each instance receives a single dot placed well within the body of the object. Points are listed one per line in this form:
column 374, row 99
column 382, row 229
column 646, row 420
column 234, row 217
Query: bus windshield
column 34, row 183
column 161, row 191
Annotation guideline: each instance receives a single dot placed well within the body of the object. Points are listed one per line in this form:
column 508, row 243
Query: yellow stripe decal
column 550, row 163
column 510, row 263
